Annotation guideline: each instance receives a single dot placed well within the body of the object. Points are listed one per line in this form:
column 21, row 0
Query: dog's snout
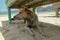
column 12, row 19
column 14, row 16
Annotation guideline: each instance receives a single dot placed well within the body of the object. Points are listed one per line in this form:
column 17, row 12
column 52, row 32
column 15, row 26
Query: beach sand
column 4, row 18
column 46, row 18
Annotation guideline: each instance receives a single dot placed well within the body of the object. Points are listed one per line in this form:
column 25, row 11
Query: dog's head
column 24, row 14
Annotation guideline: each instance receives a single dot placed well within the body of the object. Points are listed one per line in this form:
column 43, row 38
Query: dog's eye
column 20, row 12
column 28, row 13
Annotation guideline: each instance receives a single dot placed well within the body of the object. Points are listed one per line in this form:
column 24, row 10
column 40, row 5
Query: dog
column 30, row 18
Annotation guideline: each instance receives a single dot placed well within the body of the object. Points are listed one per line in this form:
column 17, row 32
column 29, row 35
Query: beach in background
column 48, row 17
column 4, row 17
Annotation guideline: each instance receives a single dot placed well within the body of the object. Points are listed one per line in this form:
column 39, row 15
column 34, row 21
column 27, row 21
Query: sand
column 46, row 18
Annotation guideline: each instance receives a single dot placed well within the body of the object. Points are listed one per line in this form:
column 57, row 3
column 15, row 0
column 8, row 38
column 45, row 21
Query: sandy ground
column 4, row 18
column 46, row 18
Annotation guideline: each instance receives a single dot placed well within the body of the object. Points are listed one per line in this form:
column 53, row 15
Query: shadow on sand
column 13, row 31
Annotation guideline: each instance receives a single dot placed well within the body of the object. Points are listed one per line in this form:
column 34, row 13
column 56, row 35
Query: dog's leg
column 24, row 21
column 27, row 28
column 41, row 31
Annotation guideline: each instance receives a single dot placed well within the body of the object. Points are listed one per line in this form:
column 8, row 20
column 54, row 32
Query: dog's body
column 30, row 18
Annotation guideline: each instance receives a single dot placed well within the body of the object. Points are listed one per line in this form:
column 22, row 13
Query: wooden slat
column 31, row 3
column 40, row 3
column 17, row 4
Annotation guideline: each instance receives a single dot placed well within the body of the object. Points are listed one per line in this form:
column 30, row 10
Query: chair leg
column 9, row 15
column 34, row 10
column 57, row 13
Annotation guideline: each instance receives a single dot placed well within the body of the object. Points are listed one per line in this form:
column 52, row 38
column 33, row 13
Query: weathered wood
column 40, row 3
column 56, row 5
column 17, row 3
column 31, row 3
column 34, row 10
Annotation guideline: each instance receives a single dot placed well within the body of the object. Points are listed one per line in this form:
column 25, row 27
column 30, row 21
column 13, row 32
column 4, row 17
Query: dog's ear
column 25, row 8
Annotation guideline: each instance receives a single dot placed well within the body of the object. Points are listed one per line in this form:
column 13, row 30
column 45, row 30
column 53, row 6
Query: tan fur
column 30, row 17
